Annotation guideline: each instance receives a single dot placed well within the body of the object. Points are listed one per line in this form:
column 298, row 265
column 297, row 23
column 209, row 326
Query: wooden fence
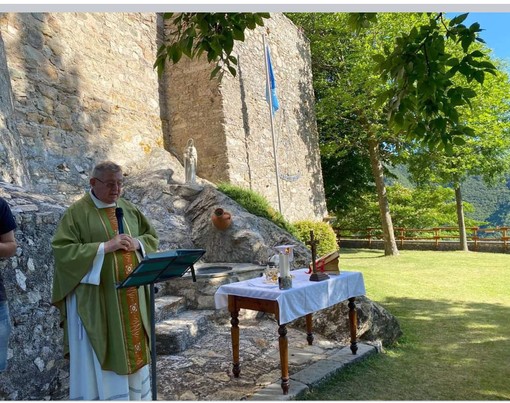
column 475, row 235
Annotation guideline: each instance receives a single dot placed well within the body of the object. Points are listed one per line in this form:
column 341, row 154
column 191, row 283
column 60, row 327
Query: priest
column 106, row 330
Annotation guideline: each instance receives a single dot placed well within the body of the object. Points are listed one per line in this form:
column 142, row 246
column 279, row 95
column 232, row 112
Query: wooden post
column 284, row 358
column 234, row 334
column 309, row 332
column 353, row 324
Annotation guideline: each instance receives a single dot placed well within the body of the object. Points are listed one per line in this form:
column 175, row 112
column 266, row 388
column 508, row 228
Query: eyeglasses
column 111, row 185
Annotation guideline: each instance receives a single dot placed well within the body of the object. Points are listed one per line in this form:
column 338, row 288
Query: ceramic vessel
column 221, row 219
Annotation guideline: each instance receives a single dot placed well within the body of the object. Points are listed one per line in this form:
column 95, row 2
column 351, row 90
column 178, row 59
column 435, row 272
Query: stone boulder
column 249, row 239
column 375, row 325
column 181, row 214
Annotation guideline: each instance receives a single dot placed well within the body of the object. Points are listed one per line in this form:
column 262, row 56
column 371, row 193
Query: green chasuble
column 117, row 322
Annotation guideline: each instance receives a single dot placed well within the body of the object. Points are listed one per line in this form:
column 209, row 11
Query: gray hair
column 105, row 166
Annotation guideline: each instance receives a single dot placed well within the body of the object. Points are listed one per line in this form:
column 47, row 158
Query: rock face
column 36, row 369
column 376, row 324
column 249, row 238
column 182, row 215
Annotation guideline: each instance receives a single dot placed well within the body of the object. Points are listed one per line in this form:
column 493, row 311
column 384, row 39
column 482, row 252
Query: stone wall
column 83, row 90
column 80, row 87
column 36, row 368
column 230, row 123
column 12, row 168
column 481, row 246
column 194, row 109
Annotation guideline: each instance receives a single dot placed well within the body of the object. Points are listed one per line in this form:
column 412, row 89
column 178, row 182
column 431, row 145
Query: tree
column 486, row 153
column 351, row 129
column 415, row 55
column 213, row 33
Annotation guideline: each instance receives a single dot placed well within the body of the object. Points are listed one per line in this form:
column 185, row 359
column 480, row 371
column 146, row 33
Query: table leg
column 353, row 324
column 234, row 333
column 309, row 334
column 284, row 358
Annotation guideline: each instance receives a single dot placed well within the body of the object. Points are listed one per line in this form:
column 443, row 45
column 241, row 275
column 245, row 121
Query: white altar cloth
column 303, row 298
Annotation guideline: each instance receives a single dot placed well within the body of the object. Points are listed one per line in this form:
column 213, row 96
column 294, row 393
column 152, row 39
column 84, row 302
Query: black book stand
column 155, row 268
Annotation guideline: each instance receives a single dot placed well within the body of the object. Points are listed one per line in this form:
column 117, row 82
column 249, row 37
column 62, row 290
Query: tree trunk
column 390, row 245
column 460, row 220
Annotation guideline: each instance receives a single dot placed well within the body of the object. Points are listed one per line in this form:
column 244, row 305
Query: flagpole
column 268, row 86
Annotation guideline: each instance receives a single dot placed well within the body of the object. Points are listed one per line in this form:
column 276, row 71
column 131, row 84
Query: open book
column 327, row 263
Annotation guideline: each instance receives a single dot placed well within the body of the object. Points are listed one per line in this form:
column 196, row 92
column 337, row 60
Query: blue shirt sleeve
column 7, row 222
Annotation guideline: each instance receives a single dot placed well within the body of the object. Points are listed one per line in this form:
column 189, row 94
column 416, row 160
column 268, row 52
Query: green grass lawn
column 454, row 311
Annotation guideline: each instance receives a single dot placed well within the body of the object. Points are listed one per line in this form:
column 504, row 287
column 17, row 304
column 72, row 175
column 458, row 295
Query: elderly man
column 106, row 330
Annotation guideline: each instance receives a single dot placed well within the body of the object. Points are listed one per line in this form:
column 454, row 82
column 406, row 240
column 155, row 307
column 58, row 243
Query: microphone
column 120, row 215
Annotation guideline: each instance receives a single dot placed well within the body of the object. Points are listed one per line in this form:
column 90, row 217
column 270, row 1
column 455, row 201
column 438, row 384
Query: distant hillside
column 492, row 204
column 398, row 174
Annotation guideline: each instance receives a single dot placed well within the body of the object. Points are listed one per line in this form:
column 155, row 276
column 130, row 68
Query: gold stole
column 134, row 335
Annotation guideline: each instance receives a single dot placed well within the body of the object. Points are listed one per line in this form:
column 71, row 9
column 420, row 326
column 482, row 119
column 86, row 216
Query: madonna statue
column 190, row 162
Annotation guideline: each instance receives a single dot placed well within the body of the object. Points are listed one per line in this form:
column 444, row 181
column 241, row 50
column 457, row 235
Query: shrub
column 256, row 204
column 322, row 231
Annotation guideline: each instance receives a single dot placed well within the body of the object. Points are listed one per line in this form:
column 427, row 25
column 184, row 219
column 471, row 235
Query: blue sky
column 496, row 32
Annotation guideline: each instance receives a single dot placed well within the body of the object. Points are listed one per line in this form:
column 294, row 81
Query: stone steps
column 178, row 327
column 168, row 306
column 180, row 331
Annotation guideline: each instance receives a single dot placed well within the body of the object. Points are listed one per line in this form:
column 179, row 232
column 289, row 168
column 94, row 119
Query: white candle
column 284, row 265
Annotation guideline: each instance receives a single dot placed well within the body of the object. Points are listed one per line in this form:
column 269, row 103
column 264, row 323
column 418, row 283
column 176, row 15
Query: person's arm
column 94, row 275
column 8, row 244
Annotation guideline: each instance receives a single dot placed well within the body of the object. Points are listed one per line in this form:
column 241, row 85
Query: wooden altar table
column 303, row 299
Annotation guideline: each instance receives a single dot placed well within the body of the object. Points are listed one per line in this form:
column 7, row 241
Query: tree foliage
column 423, row 98
column 426, row 207
column 346, row 89
column 412, row 81
column 322, row 231
column 486, row 153
column 213, row 33
column 256, row 204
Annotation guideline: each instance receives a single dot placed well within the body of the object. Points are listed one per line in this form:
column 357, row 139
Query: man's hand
column 122, row 242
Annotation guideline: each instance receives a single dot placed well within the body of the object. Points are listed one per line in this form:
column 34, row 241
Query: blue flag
column 272, row 83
